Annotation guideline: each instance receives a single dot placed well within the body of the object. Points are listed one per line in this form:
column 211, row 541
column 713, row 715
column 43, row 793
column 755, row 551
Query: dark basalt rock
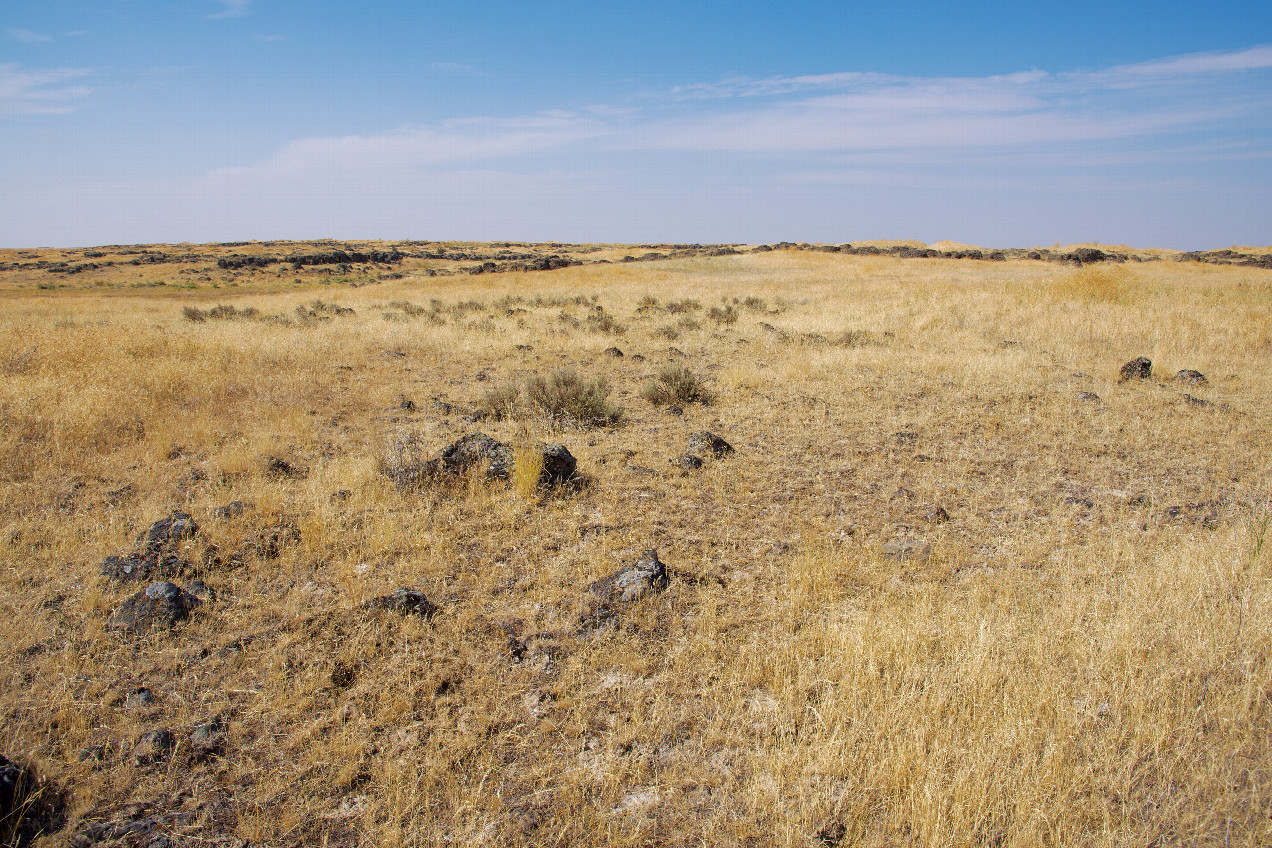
column 686, row 463
column 646, row 576
column 143, row 567
column 407, row 602
column 705, row 442
column 153, row 746
column 209, row 737
column 29, row 807
column 1139, row 368
column 169, row 532
column 158, row 554
column 1189, row 376
column 158, row 605
column 474, row 451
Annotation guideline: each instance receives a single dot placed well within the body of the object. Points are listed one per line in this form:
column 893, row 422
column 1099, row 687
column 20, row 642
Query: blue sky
column 994, row 123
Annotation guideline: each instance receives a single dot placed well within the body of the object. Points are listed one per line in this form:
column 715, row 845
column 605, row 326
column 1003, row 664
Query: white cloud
column 38, row 92
column 230, row 9
column 26, row 36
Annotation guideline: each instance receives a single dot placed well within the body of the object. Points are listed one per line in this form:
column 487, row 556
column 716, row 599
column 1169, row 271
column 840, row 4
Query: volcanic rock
column 407, row 602
column 646, row 576
column 158, row 605
column 1139, row 368
column 704, row 442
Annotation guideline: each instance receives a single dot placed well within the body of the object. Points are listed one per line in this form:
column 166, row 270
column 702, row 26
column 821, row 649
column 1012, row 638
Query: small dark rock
column 443, row 407
column 209, row 737
column 937, row 516
column 158, row 605
column 168, row 533
column 704, row 442
column 687, row 463
column 1090, row 397
column 675, row 353
column 638, row 357
column 832, row 833
column 232, row 510
column 1139, row 368
column 1074, row 500
column 14, row 786
column 1196, row 401
column 29, row 807
column 93, row 754
column 1189, row 376
column 614, row 352
column 407, row 602
column 202, row 591
column 524, row 348
column 270, row 541
column 407, row 404
column 278, row 467
column 340, row 496
column 139, row 698
column 153, row 746
column 646, row 576
column 477, row 450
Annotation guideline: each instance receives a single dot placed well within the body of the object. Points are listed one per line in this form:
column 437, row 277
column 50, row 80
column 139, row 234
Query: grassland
column 1080, row 655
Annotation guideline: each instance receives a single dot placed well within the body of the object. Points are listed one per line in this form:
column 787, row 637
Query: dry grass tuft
column 1097, row 284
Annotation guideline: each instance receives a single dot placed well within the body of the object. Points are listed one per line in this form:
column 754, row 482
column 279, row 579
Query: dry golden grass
column 1083, row 657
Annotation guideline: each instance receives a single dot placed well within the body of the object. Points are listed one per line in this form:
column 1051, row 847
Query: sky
column 1001, row 124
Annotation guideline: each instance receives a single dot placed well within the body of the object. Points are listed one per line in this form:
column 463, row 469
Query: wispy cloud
column 26, row 36
column 231, row 9
column 38, row 92
column 410, row 150
column 267, row 38
column 837, row 114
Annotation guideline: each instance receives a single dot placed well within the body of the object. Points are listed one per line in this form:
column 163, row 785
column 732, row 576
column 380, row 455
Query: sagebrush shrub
column 567, row 398
column 677, row 384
